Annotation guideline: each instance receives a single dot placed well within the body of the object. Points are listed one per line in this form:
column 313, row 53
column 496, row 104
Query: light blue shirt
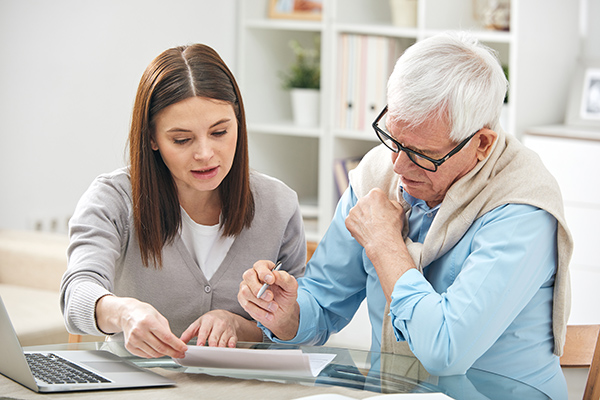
column 487, row 303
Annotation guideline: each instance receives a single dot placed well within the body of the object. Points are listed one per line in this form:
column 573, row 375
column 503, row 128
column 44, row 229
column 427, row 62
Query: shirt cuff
column 82, row 308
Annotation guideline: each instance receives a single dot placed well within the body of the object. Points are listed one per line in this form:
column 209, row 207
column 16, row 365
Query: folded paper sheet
column 393, row 396
column 279, row 362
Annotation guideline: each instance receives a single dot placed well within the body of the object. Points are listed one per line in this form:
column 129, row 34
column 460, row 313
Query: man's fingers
column 285, row 281
column 264, row 271
column 252, row 277
column 256, row 308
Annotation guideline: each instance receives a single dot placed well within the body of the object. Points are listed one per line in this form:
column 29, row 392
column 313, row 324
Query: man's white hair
column 449, row 76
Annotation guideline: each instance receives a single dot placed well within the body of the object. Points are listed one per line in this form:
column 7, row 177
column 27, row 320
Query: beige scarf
column 511, row 174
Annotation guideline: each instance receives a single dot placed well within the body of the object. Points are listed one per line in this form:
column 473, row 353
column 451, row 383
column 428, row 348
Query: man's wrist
column 292, row 324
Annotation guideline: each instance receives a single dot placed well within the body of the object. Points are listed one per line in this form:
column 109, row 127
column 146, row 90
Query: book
column 341, row 168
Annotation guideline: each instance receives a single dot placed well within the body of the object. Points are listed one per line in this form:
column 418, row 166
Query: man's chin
column 416, row 191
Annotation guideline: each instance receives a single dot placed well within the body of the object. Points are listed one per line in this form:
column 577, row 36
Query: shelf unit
column 540, row 49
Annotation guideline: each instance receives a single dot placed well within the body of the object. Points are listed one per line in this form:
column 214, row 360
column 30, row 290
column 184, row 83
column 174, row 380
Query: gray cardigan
column 104, row 256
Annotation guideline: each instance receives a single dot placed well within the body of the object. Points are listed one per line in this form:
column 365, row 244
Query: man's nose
column 401, row 162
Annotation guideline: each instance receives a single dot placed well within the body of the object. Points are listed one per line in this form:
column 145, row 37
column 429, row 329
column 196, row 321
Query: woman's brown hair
column 175, row 75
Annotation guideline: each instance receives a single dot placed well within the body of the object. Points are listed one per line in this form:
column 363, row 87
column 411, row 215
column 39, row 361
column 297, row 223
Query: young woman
column 157, row 249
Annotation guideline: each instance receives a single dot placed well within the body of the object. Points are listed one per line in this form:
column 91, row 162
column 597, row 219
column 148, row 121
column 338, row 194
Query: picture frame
column 584, row 99
column 296, row 9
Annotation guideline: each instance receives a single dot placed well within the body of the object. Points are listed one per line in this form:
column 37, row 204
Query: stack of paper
column 283, row 362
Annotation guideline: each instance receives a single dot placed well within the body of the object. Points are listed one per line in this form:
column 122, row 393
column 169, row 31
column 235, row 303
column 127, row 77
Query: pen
column 266, row 285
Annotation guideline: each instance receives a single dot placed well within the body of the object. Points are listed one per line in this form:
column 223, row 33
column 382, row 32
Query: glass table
column 354, row 373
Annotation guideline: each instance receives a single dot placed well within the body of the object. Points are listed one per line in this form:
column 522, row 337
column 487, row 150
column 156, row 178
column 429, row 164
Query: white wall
column 68, row 74
column 591, row 28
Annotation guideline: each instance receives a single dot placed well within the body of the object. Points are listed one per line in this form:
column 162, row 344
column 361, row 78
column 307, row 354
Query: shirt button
column 429, row 215
column 207, row 289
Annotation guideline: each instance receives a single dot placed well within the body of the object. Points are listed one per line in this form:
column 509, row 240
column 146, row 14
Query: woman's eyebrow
column 178, row 129
column 221, row 121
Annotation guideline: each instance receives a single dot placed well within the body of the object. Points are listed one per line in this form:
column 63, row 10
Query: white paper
column 394, row 396
column 284, row 362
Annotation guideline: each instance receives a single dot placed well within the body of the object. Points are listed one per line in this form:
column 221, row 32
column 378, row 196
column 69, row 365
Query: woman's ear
column 487, row 138
column 153, row 144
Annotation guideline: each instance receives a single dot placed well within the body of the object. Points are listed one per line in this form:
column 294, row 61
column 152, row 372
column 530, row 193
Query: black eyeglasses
column 419, row 159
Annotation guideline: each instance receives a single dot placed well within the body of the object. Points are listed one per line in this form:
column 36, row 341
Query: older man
column 459, row 243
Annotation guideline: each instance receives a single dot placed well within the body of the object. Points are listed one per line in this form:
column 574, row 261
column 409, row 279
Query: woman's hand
column 147, row 333
column 277, row 309
column 221, row 328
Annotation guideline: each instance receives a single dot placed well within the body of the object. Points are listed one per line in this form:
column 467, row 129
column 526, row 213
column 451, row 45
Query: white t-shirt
column 205, row 243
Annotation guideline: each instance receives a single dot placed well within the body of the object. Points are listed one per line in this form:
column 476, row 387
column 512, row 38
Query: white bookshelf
column 540, row 49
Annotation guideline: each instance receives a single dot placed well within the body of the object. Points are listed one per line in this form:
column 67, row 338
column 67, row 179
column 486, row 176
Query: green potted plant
column 303, row 79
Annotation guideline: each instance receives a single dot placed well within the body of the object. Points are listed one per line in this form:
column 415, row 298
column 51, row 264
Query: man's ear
column 487, row 138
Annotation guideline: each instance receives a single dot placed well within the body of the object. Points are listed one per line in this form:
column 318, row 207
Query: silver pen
column 266, row 285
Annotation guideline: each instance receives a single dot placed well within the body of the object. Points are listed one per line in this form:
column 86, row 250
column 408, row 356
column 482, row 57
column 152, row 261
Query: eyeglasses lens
column 392, row 145
column 421, row 162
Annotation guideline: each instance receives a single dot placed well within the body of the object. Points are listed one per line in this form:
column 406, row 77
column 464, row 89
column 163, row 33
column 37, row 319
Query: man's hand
column 376, row 223
column 221, row 328
column 147, row 333
column 277, row 308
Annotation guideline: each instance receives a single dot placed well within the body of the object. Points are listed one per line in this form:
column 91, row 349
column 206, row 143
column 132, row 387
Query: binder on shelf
column 365, row 63
column 349, row 84
column 342, row 105
column 360, row 81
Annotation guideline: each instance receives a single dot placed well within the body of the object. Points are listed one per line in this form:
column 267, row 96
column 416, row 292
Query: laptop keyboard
column 54, row 369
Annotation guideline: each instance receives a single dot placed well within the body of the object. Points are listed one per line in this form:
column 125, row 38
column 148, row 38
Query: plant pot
column 404, row 13
column 306, row 106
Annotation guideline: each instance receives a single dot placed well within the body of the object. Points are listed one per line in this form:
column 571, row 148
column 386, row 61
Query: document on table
column 281, row 361
column 393, row 396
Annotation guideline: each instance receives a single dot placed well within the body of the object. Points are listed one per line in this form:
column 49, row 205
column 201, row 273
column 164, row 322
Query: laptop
column 87, row 369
